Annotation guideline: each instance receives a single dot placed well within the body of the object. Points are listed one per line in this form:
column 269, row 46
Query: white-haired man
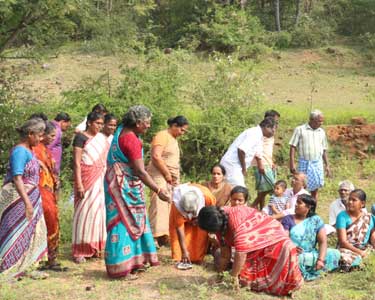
column 310, row 141
column 339, row 205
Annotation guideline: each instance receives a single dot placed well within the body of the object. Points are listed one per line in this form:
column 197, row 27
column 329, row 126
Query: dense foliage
column 213, row 25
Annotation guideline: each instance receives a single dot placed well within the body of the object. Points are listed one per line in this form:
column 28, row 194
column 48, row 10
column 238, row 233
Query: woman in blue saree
column 130, row 243
column 306, row 230
column 23, row 232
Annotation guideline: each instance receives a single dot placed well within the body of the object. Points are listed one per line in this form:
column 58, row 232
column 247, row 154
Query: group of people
column 269, row 248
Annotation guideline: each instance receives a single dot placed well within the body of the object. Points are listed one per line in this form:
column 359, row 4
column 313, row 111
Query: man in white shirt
column 298, row 188
column 337, row 206
column 246, row 146
column 265, row 178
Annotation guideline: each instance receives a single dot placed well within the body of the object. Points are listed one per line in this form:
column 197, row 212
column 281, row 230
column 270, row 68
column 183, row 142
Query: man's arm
column 326, row 163
column 292, row 166
column 241, row 157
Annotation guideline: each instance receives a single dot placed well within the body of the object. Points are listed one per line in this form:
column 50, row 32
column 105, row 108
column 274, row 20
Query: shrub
column 279, row 40
column 310, row 33
column 368, row 40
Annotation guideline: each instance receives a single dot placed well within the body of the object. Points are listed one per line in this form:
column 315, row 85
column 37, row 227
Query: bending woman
column 164, row 168
column 90, row 150
column 189, row 243
column 130, row 244
column 355, row 231
column 265, row 259
column 218, row 186
column 22, row 228
column 306, row 230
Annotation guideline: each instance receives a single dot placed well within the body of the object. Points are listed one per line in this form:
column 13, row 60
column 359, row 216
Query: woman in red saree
column 47, row 185
column 265, row 259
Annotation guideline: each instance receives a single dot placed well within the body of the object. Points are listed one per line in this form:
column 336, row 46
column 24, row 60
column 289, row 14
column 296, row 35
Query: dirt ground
column 357, row 139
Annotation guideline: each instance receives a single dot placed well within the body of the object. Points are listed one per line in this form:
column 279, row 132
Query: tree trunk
column 243, row 4
column 16, row 31
column 298, row 12
column 262, row 4
column 277, row 15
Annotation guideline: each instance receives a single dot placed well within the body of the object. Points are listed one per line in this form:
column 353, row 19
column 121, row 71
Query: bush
column 310, row 33
column 368, row 40
column 279, row 40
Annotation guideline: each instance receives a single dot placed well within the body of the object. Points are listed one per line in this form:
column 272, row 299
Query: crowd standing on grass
column 269, row 248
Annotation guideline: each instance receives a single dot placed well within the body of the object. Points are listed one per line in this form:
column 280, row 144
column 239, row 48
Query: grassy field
column 340, row 84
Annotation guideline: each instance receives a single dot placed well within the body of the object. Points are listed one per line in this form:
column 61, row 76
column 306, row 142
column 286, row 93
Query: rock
column 358, row 120
column 167, row 50
column 45, row 66
column 331, row 50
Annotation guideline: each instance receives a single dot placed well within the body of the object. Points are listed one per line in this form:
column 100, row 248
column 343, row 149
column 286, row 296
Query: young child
column 278, row 202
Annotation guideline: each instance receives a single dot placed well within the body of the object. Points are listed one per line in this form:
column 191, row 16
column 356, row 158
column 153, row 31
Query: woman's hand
column 169, row 179
column 80, row 193
column 164, row 195
column 299, row 250
column 363, row 253
column 185, row 257
column 319, row 264
column 29, row 211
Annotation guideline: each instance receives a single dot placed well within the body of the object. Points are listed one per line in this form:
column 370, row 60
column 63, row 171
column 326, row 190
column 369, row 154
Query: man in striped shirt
column 310, row 141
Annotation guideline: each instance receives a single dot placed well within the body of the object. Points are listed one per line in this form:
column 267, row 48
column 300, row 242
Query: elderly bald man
column 298, row 188
column 310, row 141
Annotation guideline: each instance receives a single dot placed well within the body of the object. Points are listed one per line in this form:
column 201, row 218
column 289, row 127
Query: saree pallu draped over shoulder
column 22, row 242
column 271, row 264
column 47, row 191
column 130, row 244
column 159, row 210
column 89, row 231
column 356, row 234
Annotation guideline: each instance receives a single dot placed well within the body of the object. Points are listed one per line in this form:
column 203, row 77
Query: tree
column 34, row 22
column 277, row 14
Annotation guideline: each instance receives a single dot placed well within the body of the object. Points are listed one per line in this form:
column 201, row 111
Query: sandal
column 57, row 268
column 38, row 275
column 79, row 259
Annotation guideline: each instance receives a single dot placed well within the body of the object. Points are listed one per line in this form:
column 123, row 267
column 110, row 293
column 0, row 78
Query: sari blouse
column 344, row 221
column 303, row 234
column 250, row 230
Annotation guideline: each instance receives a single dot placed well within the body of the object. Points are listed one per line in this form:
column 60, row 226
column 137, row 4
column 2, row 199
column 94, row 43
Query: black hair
column 241, row 190
column 311, row 202
column 99, row 108
column 213, row 219
column 271, row 113
column 219, row 166
column 92, row 117
column 49, row 127
column 39, row 115
column 62, row 116
column 360, row 194
column 179, row 121
column 268, row 122
column 281, row 183
column 109, row 117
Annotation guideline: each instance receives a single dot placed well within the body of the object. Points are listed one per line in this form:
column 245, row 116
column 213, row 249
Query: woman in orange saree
column 188, row 242
column 47, row 184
